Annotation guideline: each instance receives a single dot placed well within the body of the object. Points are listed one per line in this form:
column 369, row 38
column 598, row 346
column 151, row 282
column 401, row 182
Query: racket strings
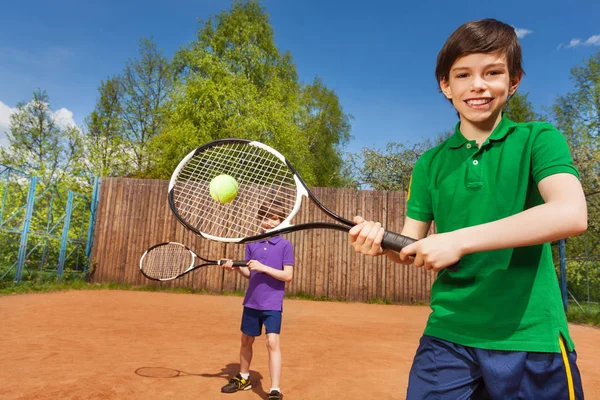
column 167, row 261
column 265, row 184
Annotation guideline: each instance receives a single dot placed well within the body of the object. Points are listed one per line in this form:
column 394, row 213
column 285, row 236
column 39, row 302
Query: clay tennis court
column 131, row 345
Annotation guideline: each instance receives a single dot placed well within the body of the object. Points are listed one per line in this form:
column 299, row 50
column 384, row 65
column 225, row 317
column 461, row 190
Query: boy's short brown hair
column 483, row 36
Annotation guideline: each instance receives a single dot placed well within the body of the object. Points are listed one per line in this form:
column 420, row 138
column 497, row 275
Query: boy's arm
column 563, row 214
column 284, row 275
column 244, row 271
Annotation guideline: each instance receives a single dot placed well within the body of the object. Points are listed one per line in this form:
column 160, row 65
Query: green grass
column 590, row 314
column 574, row 315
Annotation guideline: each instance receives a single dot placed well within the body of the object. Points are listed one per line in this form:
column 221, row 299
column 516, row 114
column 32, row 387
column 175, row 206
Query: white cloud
column 64, row 118
column 522, row 32
column 5, row 112
column 593, row 40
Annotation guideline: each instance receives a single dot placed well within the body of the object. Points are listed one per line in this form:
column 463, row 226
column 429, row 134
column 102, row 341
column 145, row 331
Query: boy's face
column 479, row 86
column 270, row 222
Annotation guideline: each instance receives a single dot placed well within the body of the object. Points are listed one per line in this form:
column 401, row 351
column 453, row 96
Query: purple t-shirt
column 265, row 292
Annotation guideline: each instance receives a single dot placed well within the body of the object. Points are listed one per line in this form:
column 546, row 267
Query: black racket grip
column 236, row 263
column 396, row 242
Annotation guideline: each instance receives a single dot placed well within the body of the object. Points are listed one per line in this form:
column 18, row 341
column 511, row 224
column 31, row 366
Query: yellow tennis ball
column 223, row 188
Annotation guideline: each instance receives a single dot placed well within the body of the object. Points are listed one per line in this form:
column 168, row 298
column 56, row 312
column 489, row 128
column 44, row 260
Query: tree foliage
column 128, row 114
column 232, row 81
column 40, row 143
column 520, row 109
column 104, row 139
column 577, row 115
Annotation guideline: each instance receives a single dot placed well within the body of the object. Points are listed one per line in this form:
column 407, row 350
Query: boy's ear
column 514, row 84
column 445, row 87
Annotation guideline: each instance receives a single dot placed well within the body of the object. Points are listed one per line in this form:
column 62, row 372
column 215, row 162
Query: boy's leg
column 444, row 370
column 274, row 358
column 251, row 327
column 246, row 353
column 272, row 322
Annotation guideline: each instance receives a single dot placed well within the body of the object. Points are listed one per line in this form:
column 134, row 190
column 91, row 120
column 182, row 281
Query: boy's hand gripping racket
column 171, row 260
column 267, row 184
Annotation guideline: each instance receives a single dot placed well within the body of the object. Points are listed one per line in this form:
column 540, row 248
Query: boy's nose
column 478, row 83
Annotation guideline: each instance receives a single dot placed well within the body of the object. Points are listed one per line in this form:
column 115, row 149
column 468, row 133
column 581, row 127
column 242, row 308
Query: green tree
column 389, row 169
column 232, row 81
column 39, row 144
column 145, row 85
column 520, row 109
column 577, row 115
column 130, row 112
column 104, row 139
column 327, row 129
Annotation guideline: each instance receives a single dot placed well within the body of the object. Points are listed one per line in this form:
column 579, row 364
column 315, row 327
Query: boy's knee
column 247, row 340
column 272, row 343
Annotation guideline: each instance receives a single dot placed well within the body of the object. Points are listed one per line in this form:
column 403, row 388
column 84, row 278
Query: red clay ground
column 89, row 345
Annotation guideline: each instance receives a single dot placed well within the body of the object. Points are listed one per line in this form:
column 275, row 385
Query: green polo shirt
column 504, row 299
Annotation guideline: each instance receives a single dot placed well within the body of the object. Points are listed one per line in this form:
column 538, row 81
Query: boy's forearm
column 281, row 275
column 545, row 223
column 244, row 271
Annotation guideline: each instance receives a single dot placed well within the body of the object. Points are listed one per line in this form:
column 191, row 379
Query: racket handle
column 236, row 263
column 396, row 242
column 240, row 263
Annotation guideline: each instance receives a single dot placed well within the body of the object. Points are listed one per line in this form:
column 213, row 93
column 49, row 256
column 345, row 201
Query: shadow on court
column 225, row 374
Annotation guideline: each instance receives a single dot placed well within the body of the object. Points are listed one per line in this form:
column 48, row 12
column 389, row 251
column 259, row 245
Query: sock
column 245, row 376
column 279, row 390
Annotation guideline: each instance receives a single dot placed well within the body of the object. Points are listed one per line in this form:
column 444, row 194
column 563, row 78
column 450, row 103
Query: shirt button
column 265, row 248
column 468, row 145
column 475, row 162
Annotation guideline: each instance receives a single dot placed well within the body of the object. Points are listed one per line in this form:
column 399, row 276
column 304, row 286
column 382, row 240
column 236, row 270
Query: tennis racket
column 171, row 260
column 267, row 184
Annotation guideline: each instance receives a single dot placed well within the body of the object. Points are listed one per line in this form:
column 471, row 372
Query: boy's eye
column 463, row 75
column 495, row 72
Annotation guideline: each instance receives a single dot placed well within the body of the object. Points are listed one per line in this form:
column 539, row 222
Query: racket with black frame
column 267, row 185
column 171, row 260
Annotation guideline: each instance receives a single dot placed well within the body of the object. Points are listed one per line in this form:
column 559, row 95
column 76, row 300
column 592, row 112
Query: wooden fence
column 133, row 214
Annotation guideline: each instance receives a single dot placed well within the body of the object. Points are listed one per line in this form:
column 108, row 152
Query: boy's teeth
column 478, row 102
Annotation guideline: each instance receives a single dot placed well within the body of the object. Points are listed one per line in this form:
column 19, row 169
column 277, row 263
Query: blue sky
column 378, row 56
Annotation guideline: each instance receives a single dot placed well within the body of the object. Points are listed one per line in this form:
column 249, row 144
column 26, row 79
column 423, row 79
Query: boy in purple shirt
column 270, row 266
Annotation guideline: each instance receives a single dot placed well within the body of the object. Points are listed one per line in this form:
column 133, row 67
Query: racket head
column 267, row 184
column 167, row 261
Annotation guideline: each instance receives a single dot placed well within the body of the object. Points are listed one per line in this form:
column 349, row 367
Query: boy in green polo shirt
column 499, row 192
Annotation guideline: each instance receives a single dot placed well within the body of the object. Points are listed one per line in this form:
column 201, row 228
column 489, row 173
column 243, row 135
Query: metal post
column 563, row 273
column 25, row 232
column 65, row 234
column 92, row 221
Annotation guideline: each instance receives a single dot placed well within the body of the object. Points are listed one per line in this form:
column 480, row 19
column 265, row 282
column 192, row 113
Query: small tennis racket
column 267, row 185
column 171, row 260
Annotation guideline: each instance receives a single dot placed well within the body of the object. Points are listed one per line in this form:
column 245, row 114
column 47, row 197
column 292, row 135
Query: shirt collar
column 271, row 240
column 505, row 127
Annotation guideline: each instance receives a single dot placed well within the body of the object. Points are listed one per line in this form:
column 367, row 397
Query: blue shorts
column 445, row 370
column 253, row 321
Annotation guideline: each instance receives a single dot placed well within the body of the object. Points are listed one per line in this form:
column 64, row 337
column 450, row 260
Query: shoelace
column 237, row 380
